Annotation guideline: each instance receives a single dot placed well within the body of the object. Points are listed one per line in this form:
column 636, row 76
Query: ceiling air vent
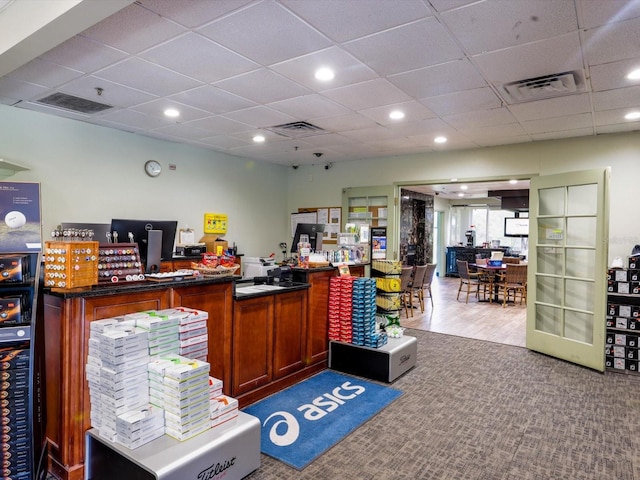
column 540, row 88
column 75, row 104
column 297, row 130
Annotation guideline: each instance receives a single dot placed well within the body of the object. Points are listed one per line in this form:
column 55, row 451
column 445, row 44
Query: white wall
column 313, row 186
column 92, row 174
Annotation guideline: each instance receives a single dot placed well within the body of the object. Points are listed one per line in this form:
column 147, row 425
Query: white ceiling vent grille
column 75, row 104
column 297, row 130
column 541, row 88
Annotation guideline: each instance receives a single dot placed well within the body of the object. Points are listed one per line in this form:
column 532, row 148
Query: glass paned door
column 567, row 266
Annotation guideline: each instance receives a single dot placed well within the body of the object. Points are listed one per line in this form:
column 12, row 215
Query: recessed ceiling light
column 172, row 112
column 634, row 74
column 461, row 194
column 259, row 138
column 513, row 182
column 440, row 139
column 324, row 74
column 454, row 179
column 396, row 115
column 632, row 116
column 463, row 187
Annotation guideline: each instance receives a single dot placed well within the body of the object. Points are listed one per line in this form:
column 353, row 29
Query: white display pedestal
column 385, row 364
column 234, row 452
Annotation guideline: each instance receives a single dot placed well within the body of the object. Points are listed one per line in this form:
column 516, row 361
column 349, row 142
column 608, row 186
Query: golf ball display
column 15, row 219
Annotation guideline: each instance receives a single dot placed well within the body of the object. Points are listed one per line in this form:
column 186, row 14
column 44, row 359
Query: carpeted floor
column 479, row 410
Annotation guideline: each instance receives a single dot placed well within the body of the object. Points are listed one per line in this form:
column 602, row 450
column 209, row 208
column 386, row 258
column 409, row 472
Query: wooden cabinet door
column 289, row 332
column 252, row 344
column 217, row 301
column 318, row 317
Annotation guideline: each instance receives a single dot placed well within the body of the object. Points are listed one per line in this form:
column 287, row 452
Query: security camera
column 295, row 166
column 328, row 166
column 437, row 193
column 318, row 154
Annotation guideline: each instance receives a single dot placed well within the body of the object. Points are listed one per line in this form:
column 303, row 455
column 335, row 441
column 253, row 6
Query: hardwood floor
column 479, row 320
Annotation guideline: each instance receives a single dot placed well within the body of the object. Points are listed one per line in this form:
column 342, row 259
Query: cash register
column 258, row 266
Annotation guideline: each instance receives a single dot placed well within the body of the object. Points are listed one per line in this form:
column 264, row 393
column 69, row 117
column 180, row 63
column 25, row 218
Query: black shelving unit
column 388, row 302
column 21, row 363
column 622, row 352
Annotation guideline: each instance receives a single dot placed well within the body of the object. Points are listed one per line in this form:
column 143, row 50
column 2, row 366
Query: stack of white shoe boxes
column 180, row 386
column 193, row 336
column 116, row 372
column 162, row 331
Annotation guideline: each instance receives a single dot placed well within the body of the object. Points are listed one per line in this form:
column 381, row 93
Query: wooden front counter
column 257, row 346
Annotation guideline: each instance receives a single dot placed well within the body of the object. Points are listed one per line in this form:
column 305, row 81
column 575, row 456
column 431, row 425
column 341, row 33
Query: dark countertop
column 262, row 290
column 129, row 287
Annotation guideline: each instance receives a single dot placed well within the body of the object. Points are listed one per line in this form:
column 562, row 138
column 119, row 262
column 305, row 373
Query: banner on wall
column 20, row 223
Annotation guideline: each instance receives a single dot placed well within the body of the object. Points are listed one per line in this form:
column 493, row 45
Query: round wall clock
column 153, row 168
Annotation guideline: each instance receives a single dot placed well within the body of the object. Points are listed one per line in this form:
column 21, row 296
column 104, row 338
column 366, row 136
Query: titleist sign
column 216, row 469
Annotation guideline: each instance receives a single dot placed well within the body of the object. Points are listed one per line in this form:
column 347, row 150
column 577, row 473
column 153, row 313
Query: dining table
column 492, row 272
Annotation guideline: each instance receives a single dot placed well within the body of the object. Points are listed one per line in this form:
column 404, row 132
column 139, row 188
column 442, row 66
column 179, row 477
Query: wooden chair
column 514, row 282
column 428, row 280
column 467, row 279
column 405, row 290
column 515, row 260
column 417, row 283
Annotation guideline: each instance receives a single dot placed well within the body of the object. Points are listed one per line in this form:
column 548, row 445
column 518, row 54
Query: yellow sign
column 215, row 223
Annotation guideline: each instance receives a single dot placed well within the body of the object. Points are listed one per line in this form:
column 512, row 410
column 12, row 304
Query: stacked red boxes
column 14, row 395
column 340, row 308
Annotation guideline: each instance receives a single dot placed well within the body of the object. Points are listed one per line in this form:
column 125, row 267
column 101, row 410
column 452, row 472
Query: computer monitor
column 313, row 230
column 516, row 227
column 140, row 229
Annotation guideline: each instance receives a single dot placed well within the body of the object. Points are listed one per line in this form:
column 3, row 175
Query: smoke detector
column 541, row 88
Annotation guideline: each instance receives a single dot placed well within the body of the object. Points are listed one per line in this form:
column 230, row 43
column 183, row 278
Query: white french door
column 568, row 236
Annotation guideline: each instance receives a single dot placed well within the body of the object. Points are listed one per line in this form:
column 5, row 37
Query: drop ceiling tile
column 330, row 139
column 17, row 90
column 212, row 99
column 372, row 93
column 58, row 112
column 428, row 125
column 224, row 141
column 493, row 132
column 44, row 73
column 219, row 125
column 596, row 12
column 133, row 29
column 408, row 47
column 444, row 5
column 614, row 116
column 618, row 128
column 546, row 57
column 347, row 68
column 262, row 86
column 477, row 29
column 343, row 21
column 183, row 130
column 309, row 106
column 460, row 102
column 552, row 107
column 480, row 118
column 245, row 32
column 579, row 132
column 440, row 79
column 158, row 106
column 373, row 134
column 412, row 110
column 133, row 119
column 613, row 75
column 260, row 117
column 147, row 77
column 199, row 58
column 83, row 54
column 487, row 141
column 339, row 123
column 620, row 98
column 605, row 44
column 193, row 13
column 568, row 122
column 112, row 93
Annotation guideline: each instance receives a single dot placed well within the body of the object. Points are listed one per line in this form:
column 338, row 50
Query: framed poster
column 215, row 223
column 20, row 225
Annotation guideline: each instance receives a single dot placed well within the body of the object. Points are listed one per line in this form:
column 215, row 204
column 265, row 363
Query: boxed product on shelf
column 14, row 357
column 14, row 268
column 14, row 310
column 223, row 410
